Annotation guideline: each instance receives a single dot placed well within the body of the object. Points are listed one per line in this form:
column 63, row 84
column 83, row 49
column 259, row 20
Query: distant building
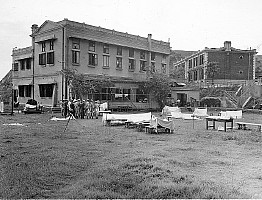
column 93, row 51
column 234, row 65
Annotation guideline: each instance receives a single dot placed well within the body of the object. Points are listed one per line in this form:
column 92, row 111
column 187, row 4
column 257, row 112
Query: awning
column 45, row 38
column 45, row 81
column 17, row 82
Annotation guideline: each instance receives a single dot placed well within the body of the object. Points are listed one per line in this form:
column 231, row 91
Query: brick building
column 90, row 50
column 234, row 65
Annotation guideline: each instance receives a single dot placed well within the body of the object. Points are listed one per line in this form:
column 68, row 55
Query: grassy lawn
column 39, row 160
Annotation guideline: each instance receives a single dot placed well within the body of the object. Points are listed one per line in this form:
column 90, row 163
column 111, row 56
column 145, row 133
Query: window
column 131, row 64
column 201, row 61
column 195, row 62
column 105, row 61
column 131, row 53
column 189, row 63
column 119, row 63
column 22, row 64
column 75, row 57
column 106, row 49
column 42, row 59
column 24, row 90
column 15, row 66
column 142, row 55
column 164, row 68
column 141, row 97
column 142, row 65
column 51, row 45
column 76, row 43
column 21, row 91
column 43, row 46
column 195, row 75
column 92, row 46
column 50, row 58
column 153, row 67
column 153, row 56
column 46, row 90
column 28, row 63
column 93, row 59
column 119, row 51
column 164, row 59
column 28, row 90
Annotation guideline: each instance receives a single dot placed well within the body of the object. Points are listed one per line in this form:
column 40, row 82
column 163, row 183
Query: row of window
column 93, row 61
column 196, row 75
column 119, row 50
column 45, row 90
column 23, row 63
column 194, row 62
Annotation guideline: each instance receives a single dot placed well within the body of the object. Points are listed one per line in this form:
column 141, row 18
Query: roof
column 97, row 33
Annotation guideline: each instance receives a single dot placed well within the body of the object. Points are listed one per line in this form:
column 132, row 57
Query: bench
column 104, row 111
column 243, row 125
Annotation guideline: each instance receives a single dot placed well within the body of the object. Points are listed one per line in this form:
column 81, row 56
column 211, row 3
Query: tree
column 212, row 70
column 6, row 89
column 158, row 85
column 82, row 85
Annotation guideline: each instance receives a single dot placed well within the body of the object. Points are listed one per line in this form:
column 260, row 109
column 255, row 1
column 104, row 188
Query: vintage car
column 32, row 106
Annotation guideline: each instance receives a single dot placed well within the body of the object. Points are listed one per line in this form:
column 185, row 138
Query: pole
column 12, row 106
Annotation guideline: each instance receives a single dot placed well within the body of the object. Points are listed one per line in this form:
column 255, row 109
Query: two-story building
column 92, row 51
column 233, row 65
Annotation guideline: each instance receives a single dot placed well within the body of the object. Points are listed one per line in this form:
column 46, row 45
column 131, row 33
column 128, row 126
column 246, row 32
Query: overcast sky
column 190, row 24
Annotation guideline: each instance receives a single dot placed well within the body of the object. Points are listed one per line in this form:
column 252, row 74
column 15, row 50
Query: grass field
column 39, row 160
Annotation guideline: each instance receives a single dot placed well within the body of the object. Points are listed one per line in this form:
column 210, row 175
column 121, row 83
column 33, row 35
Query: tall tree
column 158, row 86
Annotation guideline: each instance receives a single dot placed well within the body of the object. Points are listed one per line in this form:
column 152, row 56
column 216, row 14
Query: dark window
column 201, row 61
column 164, row 68
column 92, row 46
column 93, row 59
column 131, row 64
column 42, row 59
column 119, row 51
column 15, row 66
column 131, row 53
column 46, row 90
column 119, row 63
column 24, row 90
column 142, row 65
column 153, row 56
column 28, row 90
column 51, row 45
column 105, row 61
column 22, row 63
column 106, row 49
column 189, row 63
column 141, row 97
column 50, row 57
column 21, row 91
column 43, row 46
column 142, row 55
column 75, row 57
column 28, row 63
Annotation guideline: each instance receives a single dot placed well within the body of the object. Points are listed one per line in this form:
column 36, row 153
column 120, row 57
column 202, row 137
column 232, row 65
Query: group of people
column 80, row 109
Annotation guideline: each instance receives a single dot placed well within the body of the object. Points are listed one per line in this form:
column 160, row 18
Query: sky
column 189, row 25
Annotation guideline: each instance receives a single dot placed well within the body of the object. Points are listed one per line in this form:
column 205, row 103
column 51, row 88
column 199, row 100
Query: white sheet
column 140, row 117
column 232, row 114
column 200, row 112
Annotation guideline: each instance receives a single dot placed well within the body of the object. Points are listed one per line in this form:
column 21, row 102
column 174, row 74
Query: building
column 233, row 65
column 90, row 50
